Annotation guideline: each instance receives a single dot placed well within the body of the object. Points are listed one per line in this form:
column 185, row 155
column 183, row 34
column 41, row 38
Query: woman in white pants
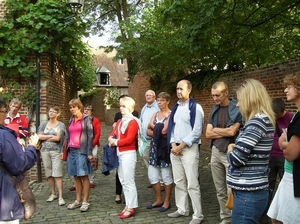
column 123, row 137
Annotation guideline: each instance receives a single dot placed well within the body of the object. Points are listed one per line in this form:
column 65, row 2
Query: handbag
column 229, row 202
column 65, row 152
column 94, row 163
column 25, row 193
column 39, row 145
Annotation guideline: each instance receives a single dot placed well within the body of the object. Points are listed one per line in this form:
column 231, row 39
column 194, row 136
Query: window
column 103, row 78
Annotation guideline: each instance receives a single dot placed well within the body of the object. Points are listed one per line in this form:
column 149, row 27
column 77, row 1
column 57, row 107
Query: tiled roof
column 104, row 62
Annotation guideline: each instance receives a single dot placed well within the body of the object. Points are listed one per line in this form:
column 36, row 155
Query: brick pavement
column 104, row 210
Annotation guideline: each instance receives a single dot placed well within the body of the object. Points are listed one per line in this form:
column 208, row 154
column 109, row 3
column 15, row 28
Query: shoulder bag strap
column 10, row 176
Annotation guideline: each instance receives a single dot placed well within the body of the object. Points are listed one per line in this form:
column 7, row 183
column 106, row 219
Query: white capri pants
column 154, row 174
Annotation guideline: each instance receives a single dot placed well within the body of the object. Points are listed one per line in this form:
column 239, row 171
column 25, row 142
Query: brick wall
column 57, row 89
column 2, row 2
column 271, row 76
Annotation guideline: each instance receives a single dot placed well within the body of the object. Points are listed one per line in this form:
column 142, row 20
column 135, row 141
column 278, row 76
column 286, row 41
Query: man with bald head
column 184, row 132
column 147, row 111
column 223, row 125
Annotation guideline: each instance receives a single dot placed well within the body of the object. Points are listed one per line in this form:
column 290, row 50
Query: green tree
column 200, row 39
column 31, row 26
column 118, row 15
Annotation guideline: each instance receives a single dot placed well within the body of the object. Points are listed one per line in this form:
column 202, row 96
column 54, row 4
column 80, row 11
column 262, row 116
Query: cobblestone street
column 104, row 210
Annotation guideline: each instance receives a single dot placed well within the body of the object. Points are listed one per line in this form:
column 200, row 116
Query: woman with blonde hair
column 249, row 157
column 285, row 206
column 80, row 137
column 124, row 137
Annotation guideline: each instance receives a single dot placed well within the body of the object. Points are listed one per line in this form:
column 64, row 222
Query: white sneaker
column 51, row 198
column 61, row 201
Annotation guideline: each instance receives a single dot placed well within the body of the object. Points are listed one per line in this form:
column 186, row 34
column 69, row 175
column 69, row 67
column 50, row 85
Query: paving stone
column 104, row 210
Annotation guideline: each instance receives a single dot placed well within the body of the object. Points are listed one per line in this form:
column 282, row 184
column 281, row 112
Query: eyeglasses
column 3, row 111
column 87, row 109
column 52, row 112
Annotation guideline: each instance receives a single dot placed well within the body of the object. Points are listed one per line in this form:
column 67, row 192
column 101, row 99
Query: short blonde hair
column 253, row 98
column 220, row 84
column 76, row 103
column 128, row 102
column 164, row 95
column 56, row 108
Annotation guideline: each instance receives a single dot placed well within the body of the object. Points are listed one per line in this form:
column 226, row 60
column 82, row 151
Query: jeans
column 248, row 206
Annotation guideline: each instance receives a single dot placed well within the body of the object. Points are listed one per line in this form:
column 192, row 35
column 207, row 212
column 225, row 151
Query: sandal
column 75, row 204
column 84, row 207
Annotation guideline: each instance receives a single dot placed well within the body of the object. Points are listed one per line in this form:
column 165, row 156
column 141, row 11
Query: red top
column 21, row 121
column 97, row 131
column 126, row 141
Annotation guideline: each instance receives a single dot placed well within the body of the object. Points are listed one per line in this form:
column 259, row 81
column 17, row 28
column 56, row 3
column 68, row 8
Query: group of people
column 82, row 138
column 252, row 138
column 177, row 162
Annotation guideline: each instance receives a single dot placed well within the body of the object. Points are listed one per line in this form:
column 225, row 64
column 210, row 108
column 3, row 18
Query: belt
column 48, row 150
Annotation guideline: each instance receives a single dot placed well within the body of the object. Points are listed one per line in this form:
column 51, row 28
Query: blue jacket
column 234, row 115
column 16, row 162
column 192, row 107
column 161, row 144
column 110, row 159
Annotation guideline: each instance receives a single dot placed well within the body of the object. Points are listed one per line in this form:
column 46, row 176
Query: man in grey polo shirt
column 148, row 110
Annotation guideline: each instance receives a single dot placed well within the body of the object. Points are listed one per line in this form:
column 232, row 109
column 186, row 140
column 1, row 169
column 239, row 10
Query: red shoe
column 92, row 185
column 131, row 213
column 73, row 188
column 122, row 212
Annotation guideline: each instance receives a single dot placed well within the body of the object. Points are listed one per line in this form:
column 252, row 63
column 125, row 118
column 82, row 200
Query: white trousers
column 16, row 221
column 126, row 172
column 185, row 173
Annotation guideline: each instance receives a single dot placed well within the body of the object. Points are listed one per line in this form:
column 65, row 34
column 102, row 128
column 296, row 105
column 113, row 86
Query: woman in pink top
column 80, row 136
column 124, row 137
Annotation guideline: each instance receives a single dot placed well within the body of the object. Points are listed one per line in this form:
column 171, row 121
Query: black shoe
column 118, row 201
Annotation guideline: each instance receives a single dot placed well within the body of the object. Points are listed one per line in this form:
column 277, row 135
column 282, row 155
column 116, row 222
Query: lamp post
column 76, row 6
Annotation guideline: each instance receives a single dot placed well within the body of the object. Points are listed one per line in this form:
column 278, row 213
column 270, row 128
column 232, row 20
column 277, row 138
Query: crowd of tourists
column 254, row 141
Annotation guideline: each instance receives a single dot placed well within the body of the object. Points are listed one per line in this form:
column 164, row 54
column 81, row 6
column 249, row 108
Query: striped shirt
column 248, row 161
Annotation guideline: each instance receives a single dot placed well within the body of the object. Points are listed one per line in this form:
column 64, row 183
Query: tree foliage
column 200, row 39
column 31, row 26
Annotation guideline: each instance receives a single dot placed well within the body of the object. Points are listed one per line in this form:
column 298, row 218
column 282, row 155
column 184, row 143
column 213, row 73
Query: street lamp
column 75, row 5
